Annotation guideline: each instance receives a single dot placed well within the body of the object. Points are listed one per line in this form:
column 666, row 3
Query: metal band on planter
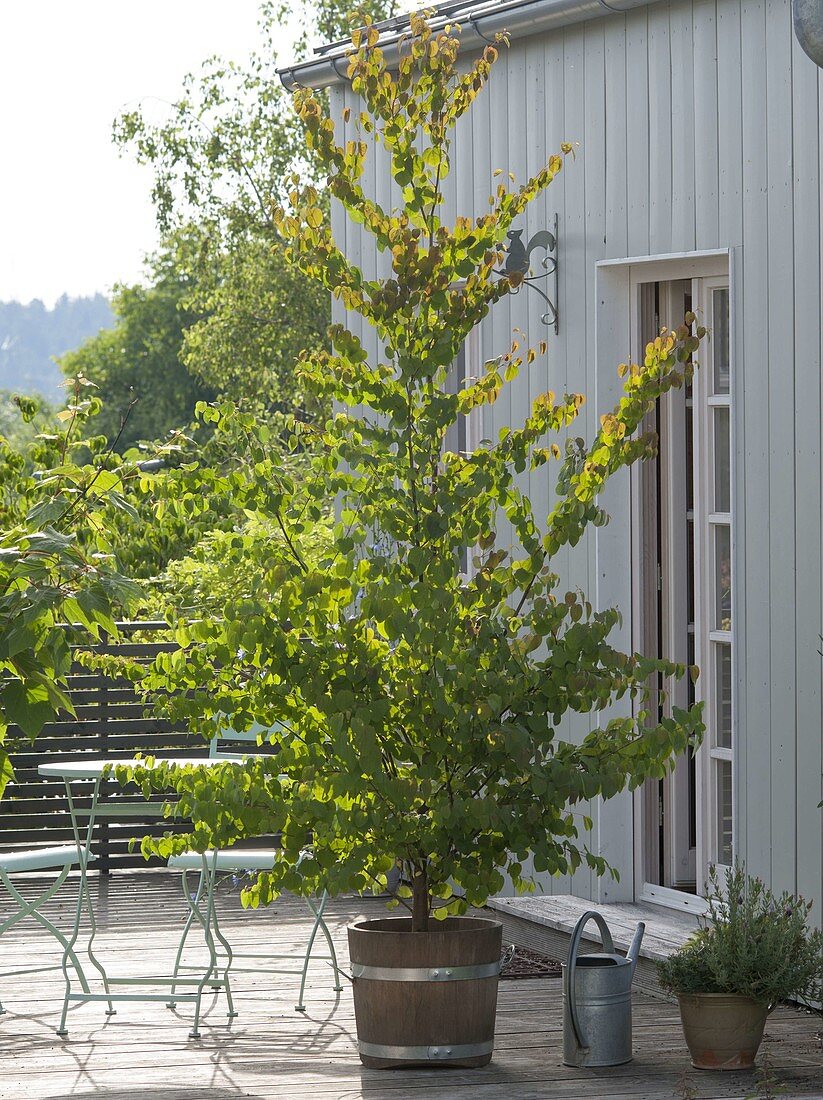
column 428, row 1054
column 425, row 973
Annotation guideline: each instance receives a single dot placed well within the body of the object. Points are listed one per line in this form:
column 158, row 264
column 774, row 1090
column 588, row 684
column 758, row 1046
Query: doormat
column 521, row 962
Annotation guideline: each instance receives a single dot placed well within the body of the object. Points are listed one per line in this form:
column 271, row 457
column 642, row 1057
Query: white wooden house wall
column 700, row 128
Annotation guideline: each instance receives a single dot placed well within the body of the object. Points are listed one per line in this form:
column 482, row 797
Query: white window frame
column 706, row 273
column 706, row 578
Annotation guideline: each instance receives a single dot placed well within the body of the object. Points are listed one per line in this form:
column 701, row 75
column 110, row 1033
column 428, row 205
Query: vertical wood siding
column 806, row 188
column 781, row 395
column 700, row 128
column 752, row 449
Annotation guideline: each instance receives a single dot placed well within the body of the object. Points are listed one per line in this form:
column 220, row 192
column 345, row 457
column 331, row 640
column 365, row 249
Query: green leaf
column 25, row 707
column 6, row 770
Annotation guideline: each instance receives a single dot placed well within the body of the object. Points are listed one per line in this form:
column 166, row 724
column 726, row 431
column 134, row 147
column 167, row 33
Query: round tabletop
column 93, row 767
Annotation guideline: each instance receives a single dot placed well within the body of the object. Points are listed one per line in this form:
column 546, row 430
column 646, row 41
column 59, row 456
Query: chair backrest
column 256, row 734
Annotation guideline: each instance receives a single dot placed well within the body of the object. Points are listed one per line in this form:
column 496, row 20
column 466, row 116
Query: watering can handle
column 608, row 947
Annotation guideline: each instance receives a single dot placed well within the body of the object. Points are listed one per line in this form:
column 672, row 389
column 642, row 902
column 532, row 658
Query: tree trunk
column 420, row 898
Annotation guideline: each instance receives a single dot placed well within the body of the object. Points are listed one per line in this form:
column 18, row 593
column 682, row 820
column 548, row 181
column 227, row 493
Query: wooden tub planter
column 425, row 998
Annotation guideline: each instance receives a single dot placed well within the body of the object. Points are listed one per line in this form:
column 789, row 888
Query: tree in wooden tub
column 422, row 668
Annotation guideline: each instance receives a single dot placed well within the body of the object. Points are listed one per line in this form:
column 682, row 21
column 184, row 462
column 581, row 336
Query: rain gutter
column 479, row 24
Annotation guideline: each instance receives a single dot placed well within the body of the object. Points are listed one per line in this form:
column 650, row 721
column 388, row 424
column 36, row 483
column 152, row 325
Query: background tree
column 230, row 566
column 221, row 160
column 195, row 534
column 218, row 276
column 423, row 706
column 55, row 564
column 254, row 320
column 19, row 431
column 139, row 360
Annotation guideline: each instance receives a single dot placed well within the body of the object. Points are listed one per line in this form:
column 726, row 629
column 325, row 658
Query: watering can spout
column 634, row 951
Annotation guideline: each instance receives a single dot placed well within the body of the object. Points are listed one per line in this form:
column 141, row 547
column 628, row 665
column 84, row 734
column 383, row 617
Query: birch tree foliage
column 221, row 154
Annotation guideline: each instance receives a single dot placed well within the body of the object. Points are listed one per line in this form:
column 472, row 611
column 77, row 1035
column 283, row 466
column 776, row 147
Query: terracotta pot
column 425, row 998
column 723, row 1030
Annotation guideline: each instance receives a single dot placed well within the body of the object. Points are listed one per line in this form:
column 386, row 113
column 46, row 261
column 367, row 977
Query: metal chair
column 238, row 861
column 61, row 859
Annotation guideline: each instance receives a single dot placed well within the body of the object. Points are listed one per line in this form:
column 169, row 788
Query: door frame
column 674, row 602
column 709, row 275
column 619, row 819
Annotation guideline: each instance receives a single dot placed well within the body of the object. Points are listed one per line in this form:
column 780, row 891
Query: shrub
column 753, row 944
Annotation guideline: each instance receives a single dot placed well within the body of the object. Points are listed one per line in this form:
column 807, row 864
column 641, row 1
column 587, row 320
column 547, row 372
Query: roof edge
column 479, row 24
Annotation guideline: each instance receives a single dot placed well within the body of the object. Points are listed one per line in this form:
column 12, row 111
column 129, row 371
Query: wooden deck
column 546, row 924
column 271, row 1051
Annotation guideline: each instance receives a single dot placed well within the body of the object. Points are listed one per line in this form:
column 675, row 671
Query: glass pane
column 723, row 575
column 690, row 686
column 724, row 812
column 723, row 693
column 722, row 461
column 690, row 570
column 692, row 800
column 720, row 339
column 689, row 458
column 687, row 308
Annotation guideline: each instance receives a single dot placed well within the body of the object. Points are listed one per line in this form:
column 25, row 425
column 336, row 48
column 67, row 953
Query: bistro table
column 78, row 769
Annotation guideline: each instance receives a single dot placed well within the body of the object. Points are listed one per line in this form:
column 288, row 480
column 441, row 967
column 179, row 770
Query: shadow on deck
column 269, row 1050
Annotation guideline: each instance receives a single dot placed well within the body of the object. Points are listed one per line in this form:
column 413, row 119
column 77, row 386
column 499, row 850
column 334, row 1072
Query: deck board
column 271, row 1051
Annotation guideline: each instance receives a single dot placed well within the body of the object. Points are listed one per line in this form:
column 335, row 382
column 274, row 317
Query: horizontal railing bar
column 133, row 725
column 119, row 742
column 127, row 626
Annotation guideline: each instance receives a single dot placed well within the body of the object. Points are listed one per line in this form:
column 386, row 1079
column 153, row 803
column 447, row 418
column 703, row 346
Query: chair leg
column 229, row 960
column 83, row 848
column 319, row 925
column 324, row 928
column 62, row 1030
column 111, row 1011
column 101, row 970
column 31, row 909
column 207, row 924
column 193, row 904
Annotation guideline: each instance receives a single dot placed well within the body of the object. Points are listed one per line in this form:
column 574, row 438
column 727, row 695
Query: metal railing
column 111, row 722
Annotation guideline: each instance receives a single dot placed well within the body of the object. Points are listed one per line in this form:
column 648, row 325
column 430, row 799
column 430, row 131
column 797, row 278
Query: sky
column 75, row 216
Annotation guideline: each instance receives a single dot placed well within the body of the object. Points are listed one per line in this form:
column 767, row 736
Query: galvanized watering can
column 597, row 999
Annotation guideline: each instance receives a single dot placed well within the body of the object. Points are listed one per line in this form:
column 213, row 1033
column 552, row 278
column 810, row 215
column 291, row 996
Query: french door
column 686, row 529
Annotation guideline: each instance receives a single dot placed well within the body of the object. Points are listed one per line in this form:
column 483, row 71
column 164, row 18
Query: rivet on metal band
column 425, row 973
column 427, row 1054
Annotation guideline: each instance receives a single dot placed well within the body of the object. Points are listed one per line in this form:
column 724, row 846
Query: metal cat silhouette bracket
column 518, row 262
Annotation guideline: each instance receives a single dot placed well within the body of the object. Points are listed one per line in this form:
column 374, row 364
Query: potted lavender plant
column 754, row 950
